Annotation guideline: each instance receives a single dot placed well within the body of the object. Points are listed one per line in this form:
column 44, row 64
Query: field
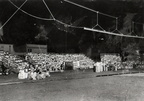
column 74, row 86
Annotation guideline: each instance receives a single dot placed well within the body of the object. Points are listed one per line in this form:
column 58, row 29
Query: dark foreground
column 74, row 86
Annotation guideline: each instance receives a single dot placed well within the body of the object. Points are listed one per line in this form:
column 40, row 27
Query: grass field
column 77, row 86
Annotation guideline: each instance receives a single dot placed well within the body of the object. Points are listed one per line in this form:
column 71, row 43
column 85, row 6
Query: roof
column 36, row 46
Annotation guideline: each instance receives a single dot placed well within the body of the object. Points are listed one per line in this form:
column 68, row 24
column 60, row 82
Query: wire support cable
column 97, row 25
column 40, row 18
column 116, row 29
column 88, row 8
column 132, row 28
column 12, row 15
column 112, row 33
column 48, row 9
column 66, row 25
column 31, row 15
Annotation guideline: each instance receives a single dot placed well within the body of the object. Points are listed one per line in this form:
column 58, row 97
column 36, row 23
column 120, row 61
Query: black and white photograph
column 71, row 50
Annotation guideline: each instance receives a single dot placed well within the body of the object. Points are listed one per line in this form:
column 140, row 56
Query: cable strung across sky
column 40, row 18
column 111, row 33
column 88, row 8
column 48, row 9
column 103, row 31
column 12, row 15
column 67, row 25
column 46, row 19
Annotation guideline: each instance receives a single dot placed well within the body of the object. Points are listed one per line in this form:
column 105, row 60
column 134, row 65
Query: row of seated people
column 14, row 64
column 34, row 72
column 37, row 66
column 52, row 62
column 11, row 63
column 56, row 60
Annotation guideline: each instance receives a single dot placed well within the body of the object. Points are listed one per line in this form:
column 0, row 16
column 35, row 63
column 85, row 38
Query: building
column 7, row 48
column 34, row 48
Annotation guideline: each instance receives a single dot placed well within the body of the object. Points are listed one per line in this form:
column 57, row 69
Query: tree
column 42, row 35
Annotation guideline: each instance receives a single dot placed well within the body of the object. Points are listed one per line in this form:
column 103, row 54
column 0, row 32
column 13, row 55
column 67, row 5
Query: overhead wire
column 133, row 26
column 48, row 9
column 106, row 32
column 68, row 25
column 40, row 18
column 13, row 15
column 116, row 29
column 65, row 24
column 112, row 33
column 91, row 29
column 88, row 8
column 98, row 22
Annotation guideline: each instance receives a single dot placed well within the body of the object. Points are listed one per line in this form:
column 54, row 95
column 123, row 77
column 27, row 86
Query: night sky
column 22, row 28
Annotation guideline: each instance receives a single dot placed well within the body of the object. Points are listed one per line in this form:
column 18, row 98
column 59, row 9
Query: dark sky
column 22, row 28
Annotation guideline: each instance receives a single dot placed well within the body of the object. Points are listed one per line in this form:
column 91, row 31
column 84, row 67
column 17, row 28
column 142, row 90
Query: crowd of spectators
column 111, row 61
column 37, row 66
column 11, row 63
column 56, row 62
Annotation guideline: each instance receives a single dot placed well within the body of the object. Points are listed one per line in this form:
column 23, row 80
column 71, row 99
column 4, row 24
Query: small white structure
column 7, row 48
column 34, row 48
column 29, row 48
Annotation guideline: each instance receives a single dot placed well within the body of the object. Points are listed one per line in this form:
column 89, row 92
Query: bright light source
column 101, row 38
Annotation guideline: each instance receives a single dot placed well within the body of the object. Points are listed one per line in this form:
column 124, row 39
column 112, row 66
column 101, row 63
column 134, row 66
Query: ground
column 74, row 86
